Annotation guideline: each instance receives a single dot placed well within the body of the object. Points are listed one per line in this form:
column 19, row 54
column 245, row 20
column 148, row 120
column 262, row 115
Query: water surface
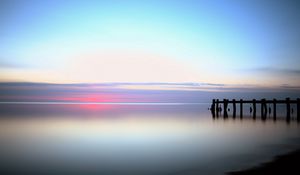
column 174, row 138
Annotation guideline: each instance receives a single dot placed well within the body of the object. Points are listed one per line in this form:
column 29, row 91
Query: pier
column 216, row 107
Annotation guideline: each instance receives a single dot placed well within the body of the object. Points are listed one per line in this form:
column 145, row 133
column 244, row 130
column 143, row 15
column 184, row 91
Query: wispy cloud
column 7, row 65
column 134, row 92
column 273, row 70
column 11, row 65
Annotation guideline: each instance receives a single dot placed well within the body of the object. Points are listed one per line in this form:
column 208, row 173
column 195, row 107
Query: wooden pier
column 216, row 108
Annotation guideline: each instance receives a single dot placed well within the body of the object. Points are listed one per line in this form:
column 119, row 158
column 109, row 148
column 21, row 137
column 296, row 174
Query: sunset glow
column 149, row 87
column 232, row 42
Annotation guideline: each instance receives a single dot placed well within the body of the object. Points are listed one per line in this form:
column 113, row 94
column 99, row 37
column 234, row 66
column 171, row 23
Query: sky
column 108, row 93
column 232, row 42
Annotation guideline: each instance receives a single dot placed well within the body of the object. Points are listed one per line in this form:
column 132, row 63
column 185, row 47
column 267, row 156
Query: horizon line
column 99, row 103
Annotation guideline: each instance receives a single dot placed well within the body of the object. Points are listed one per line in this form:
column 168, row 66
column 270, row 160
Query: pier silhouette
column 265, row 105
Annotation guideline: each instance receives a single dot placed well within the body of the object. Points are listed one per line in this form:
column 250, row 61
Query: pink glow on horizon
column 81, row 98
column 96, row 107
column 94, row 98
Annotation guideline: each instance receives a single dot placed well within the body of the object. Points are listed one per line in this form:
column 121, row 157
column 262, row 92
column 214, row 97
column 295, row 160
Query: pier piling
column 213, row 108
column 288, row 109
column 298, row 109
column 274, row 109
column 254, row 108
column 265, row 107
column 234, row 108
column 217, row 107
column 225, row 108
column 241, row 108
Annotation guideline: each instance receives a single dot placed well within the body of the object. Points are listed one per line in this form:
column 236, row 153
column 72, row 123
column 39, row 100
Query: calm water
column 135, row 139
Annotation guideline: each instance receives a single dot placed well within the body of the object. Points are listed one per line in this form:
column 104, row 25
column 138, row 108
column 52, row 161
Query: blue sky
column 231, row 42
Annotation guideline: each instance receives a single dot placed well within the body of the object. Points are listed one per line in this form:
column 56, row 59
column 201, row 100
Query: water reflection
column 134, row 139
column 97, row 109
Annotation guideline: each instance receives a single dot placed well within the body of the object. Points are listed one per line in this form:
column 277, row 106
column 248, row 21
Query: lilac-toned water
column 170, row 138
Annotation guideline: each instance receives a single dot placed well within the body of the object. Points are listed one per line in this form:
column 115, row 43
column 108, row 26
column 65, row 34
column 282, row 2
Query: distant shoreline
column 282, row 164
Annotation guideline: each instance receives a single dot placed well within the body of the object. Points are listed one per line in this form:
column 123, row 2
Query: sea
column 64, row 138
